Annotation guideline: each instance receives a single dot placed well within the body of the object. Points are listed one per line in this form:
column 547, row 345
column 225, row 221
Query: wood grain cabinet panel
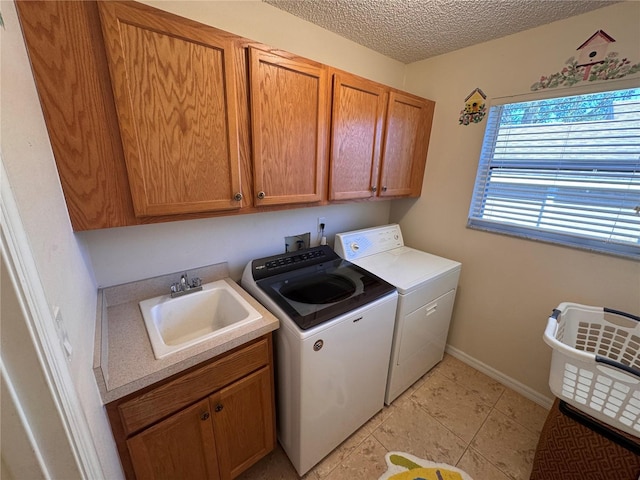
column 406, row 142
column 242, row 417
column 69, row 64
column 289, row 126
column 219, row 437
column 213, row 421
column 182, row 446
column 379, row 140
column 173, row 84
column 357, row 121
column 154, row 117
column 147, row 408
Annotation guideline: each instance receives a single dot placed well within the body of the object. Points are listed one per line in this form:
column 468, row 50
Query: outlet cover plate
column 293, row 243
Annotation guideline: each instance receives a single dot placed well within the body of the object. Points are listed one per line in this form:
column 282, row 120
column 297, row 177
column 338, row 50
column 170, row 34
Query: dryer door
column 419, row 341
column 425, row 331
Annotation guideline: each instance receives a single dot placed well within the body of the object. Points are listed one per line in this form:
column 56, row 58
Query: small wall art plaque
column 475, row 108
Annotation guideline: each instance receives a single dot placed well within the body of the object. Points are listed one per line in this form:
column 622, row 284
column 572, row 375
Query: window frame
column 477, row 207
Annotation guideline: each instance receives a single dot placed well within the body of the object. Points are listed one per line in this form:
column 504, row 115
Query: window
column 564, row 170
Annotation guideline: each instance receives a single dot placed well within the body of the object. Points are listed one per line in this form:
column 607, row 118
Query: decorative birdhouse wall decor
column 594, row 50
column 594, row 63
column 474, row 108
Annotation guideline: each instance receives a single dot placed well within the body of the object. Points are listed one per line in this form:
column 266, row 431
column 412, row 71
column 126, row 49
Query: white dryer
column 426, row 287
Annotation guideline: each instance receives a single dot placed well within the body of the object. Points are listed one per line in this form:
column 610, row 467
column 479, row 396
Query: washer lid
column 318, row 293
column 405, row 267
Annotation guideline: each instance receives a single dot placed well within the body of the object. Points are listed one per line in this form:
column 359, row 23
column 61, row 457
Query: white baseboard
column 522, row 389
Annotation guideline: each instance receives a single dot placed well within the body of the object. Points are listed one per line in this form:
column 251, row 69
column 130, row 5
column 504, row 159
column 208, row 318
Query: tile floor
column 454, row 414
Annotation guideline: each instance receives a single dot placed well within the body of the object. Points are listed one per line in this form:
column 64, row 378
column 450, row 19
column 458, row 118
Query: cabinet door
column 182, row 446
column 174, row 89
column 406, row 143
column 66, row 52
column 289, row 127
column 243, row 420
column 356, row 135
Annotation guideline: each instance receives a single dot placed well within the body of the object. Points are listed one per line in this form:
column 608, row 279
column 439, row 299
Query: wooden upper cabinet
column 358, row 110
column 173, row 82
column 379, row 140
column 406, row 142
column 153, row 117
column 289, row 112
column 66, row 51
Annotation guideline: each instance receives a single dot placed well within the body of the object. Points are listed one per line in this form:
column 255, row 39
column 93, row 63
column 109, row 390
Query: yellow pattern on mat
column 404, row 466
column 427, row 474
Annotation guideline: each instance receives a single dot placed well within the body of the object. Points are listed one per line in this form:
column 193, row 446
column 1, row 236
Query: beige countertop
column 123, row 357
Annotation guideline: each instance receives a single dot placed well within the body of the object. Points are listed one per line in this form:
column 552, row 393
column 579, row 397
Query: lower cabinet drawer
column 170, row 397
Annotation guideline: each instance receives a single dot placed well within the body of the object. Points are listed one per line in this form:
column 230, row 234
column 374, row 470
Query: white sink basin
column 174, row 324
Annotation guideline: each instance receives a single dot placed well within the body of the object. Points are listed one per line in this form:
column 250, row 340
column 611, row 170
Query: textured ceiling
column 412, row 30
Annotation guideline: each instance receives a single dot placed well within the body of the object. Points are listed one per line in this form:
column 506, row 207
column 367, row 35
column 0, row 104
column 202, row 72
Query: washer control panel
column 369, row 241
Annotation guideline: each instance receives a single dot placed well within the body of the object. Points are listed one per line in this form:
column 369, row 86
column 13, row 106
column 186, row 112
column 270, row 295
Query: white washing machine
column 426, row 287
column 332, row 348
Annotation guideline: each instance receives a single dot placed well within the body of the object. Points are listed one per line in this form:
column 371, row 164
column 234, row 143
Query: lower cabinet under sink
column 214, row 420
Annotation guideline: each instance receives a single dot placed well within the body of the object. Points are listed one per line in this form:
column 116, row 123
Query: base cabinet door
column 182, row 446
column 243, row 423
column 212, row 421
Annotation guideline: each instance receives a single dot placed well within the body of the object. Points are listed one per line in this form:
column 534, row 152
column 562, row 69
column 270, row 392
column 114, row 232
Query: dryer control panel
column 369, row 241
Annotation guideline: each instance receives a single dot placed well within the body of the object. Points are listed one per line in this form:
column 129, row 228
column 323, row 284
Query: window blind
column 564, row 170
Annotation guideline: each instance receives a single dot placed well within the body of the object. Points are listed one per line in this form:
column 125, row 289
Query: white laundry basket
column 595, row 365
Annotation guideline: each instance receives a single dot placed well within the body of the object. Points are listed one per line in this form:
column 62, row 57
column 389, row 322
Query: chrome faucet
column 185, row 286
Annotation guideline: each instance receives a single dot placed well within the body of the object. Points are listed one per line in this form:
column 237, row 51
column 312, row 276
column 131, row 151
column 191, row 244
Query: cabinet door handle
column 261, row 195
column 374, row 189
column 237, row 197
column 384, row 188
column 204, row 416
column 219, row 408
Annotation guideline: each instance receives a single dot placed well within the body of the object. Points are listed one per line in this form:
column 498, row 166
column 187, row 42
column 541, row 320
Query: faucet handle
column 185, row 286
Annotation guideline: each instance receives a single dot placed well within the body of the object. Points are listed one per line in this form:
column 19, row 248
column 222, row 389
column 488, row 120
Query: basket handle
column 618, row 312
column 551, row 330
column 618, row 365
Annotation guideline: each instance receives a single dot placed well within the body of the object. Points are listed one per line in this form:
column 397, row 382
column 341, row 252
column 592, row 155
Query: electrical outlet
column 297, row 242
column 321, row 221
